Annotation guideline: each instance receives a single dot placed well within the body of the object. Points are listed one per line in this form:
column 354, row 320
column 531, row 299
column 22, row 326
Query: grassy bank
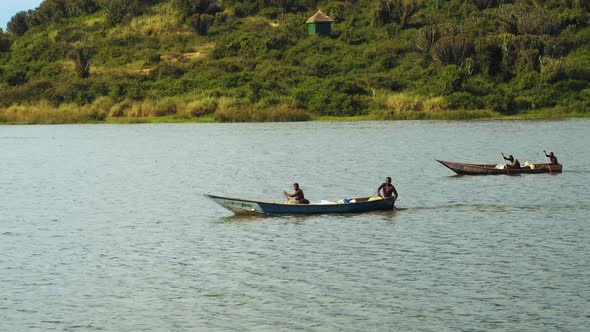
column 237, row 61
column 224, row 110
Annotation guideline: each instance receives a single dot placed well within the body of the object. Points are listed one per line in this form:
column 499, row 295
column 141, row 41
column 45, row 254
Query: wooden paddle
column 505, row 166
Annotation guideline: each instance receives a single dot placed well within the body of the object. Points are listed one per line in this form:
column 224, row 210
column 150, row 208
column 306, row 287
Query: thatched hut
column 319, row 24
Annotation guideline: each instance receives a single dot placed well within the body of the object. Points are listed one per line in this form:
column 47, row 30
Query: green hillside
column 253, row 60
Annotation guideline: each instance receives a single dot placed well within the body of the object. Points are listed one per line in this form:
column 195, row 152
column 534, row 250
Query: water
column 104, row 228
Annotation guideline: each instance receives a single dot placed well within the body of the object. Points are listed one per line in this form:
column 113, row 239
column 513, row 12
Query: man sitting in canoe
column 388, row 189
column 515, row 164
column 297, row 196
column 552, row 158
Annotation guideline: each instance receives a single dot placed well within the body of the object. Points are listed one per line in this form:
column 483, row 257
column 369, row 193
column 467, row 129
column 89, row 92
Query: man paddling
column 388, row 189
column 515, row 164
column 552, row 158
column 297, row 196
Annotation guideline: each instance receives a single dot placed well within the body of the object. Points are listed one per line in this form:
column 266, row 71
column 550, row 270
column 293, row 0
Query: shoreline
column 458, row 115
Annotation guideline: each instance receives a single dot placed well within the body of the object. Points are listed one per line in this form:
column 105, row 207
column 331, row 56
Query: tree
column 118, row 11
column 200, row 23
column 19, row 24
column 452, row 50
column 398, row 11
column 81, row 7
column 189, row 8
column 81, row 58
column 4, row 42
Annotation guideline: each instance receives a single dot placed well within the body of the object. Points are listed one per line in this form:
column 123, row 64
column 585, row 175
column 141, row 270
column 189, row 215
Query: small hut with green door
column 319, row 24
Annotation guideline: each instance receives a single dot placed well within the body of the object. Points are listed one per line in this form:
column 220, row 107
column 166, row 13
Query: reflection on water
column 105, row 228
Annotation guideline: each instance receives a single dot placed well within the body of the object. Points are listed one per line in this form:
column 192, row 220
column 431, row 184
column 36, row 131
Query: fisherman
column 551, row 157
column 297, row 196
column 515, row 164
column 388, row 189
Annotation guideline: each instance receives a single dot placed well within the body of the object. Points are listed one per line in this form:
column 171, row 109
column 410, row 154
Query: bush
column 464, row 101
column 200, row 23
column 398, row 11
column 551, row 69
column 427, row 37
column 502, row 103
column 444, row 81
column 338, row 96
column 81, row 58
column 452, row 50
column 118, row 11
column 190, row 8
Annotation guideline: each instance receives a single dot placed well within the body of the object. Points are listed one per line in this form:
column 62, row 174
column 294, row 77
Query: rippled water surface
column 104, row 227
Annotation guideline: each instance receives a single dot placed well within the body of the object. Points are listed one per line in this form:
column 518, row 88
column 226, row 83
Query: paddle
column 548, row 162
column 505, row 166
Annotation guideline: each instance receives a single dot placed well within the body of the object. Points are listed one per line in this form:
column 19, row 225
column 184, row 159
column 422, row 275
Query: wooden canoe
column 490, row 169
column 245, row 206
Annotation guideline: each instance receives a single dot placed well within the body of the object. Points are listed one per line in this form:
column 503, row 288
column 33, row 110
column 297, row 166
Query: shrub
column 200, row 23
column 551, row 69
column 336, row 96
column 503, row 103
column 427, row 36
column 445, row 81
column 452, row 50
column 522, row 103
column 398, row 11
column 535, row 20
column 464, row 101
column 118, row 11
column 188, row 8
column 81, row 58
column 484, row 4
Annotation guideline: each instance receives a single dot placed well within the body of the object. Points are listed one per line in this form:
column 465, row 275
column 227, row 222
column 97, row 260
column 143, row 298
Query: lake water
column 105, row 228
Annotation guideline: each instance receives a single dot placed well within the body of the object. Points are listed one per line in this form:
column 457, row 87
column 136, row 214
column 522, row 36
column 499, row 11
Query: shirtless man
column 515, row 164
column 297, row 196
column 552, row 158
column 388, row 189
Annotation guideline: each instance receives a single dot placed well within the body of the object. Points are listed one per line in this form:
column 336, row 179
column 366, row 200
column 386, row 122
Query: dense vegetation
column 242, row 60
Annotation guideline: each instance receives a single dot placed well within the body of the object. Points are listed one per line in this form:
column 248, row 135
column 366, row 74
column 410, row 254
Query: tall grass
column 45, row 113
column 226, row 109
column 406, row 106
column 199, row 108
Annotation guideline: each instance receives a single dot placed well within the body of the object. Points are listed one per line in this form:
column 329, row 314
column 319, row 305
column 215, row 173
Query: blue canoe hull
column 243, row 206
